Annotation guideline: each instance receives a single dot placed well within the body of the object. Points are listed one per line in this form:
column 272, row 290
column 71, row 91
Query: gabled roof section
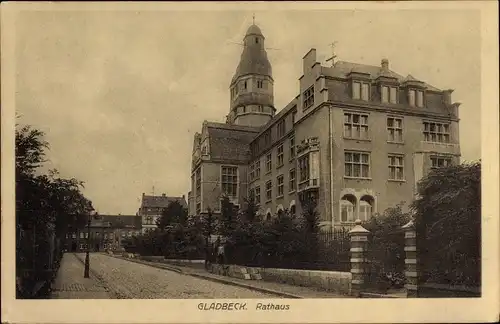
column 230, row 142
column 341, row 69
column 161, row 201
column 118, row 221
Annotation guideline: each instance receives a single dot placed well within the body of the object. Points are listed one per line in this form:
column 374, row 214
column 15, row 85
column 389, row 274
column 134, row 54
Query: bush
column 386, row 248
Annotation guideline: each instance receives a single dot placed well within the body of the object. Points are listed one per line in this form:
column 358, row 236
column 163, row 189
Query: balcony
column 308, row 185
column 308, row 145
column 446, row 148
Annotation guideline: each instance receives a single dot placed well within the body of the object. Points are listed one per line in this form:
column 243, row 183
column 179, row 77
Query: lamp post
column 87, row 257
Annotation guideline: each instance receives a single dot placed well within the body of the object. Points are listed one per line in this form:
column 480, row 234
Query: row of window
column 243, row 86
column 280, row 187
column 85, row 235
column 254, row 172
column 357, row 165
column 389, row 94
column 356, row 127
column 267, row 138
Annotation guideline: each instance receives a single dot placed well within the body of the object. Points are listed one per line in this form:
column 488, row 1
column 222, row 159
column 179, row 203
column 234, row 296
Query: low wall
column 334, row 281
column 153, row 258
column 199, row 264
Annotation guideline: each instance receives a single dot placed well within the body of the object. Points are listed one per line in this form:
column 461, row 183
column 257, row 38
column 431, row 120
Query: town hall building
column 358, row 137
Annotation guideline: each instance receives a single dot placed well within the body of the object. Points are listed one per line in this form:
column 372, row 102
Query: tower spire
column 332, row 58
column 253, row 18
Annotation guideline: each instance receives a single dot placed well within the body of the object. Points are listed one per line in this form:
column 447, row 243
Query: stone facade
column 359, row 137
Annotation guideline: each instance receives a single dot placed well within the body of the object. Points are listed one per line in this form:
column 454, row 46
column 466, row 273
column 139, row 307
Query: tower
column 251, row 89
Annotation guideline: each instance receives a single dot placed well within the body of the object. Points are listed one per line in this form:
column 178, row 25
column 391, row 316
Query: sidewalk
column 70, row 283
column 280, row 289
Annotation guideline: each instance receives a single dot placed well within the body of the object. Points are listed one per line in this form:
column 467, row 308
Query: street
column 133, row 280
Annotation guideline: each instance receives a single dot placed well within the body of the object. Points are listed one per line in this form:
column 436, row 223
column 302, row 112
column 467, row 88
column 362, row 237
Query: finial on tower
column 332, row 58
column 253, row 18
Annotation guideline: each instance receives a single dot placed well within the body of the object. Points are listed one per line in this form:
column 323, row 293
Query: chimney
column 143, row 194
column 385, row 65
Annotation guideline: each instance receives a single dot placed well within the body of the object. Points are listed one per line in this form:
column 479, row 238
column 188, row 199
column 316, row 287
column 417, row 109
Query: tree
column 448, row 220
column 175, row 214
column 228, row 217
column 310, row 226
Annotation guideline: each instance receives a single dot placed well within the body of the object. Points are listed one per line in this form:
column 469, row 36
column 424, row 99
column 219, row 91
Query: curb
column 99, row 278
column 229, row 282
column 219, row 280
column 151, row 264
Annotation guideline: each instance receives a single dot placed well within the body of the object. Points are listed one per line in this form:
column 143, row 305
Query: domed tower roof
column 254, row 57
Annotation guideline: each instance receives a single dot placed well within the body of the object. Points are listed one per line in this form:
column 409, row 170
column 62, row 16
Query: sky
column 120, row 94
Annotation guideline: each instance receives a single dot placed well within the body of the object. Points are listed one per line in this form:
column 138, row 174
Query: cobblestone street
column 127, row 279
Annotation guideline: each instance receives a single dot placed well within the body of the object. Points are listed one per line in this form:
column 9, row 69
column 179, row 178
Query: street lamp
column 87, row 257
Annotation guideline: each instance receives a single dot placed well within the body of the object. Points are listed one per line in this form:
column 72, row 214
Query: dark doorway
column 73, row 247
column 97, row 247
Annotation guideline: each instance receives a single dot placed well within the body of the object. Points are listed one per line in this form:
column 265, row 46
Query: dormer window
column 360, row 91
column 416, row 98
column 308, row 98
column 389, row 95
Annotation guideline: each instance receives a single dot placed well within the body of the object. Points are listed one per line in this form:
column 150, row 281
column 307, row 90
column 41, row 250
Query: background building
column 106, row 233
column 358, row 137
column 153, row 206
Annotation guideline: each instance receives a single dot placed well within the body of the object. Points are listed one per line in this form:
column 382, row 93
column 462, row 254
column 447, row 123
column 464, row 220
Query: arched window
column 365, row 208
column 347, row 208
column 268, row 216
column 292, row 210
column 256, row 40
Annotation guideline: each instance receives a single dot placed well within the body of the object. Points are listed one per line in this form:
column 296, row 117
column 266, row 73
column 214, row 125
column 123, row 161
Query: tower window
column 245, row 85
column 256, row 40
column 259, row 84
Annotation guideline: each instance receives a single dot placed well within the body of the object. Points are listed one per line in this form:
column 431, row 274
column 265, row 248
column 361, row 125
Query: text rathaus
column 358, row 137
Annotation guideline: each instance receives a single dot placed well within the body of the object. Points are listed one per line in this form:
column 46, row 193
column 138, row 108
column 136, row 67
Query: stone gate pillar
column 359, row 244
column 411, row 271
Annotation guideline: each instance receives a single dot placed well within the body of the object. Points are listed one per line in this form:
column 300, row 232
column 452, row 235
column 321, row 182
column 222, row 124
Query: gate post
column 411, row 270
column 359, row 242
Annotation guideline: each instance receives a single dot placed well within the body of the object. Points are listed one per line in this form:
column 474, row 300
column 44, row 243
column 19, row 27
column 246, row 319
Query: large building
column 152, row 208
column 107, row 232
column 358, row 137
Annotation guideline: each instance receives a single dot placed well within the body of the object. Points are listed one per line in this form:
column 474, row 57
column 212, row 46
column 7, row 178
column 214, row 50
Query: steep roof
column 230, row 142
column 161, row 201
column 341, row 69
column 120, row 221
column 253, row 59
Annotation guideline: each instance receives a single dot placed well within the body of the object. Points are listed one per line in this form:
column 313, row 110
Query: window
column 198, row 180
column 294, row 114
column 129, row 234
column 244, row 85
column 395, row 129
column 259, row 84
column 251, row 173
column 308, row 98
column 347, row 208
column 149, row 220
column 257, row 195
column 257, row 169
column 73, row 235
column 396, row 167
column 281, row 128
column 420, row 98
column 123, row 234
column 280, row 185
column 269, row 190
column 440, row 162
column 389, row 94
column 356, row 90
column 365, row 208
column 357, row 165
column 82, row 235
column 280, row 156
column 393, row 95
column 251, row 193
column 105, row 236
column 292, row 147
column 81, row 246
column 436, row 132
column 269, row 162
column 355, row 125
column 97, row 234
column 291, row 181
column 230, row 180
column 198, row 208
column 365, row 91
column 411, row 97
column 256, row 40
column 86, row 234
column 267, row 137
column 304, row 168
column 111, row 235
column 260, row 108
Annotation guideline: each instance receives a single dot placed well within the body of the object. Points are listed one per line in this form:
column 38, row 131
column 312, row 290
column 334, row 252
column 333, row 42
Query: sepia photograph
column 237, row 152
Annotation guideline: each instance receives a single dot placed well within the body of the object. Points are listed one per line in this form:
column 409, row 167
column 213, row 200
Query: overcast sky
column 121, row 94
